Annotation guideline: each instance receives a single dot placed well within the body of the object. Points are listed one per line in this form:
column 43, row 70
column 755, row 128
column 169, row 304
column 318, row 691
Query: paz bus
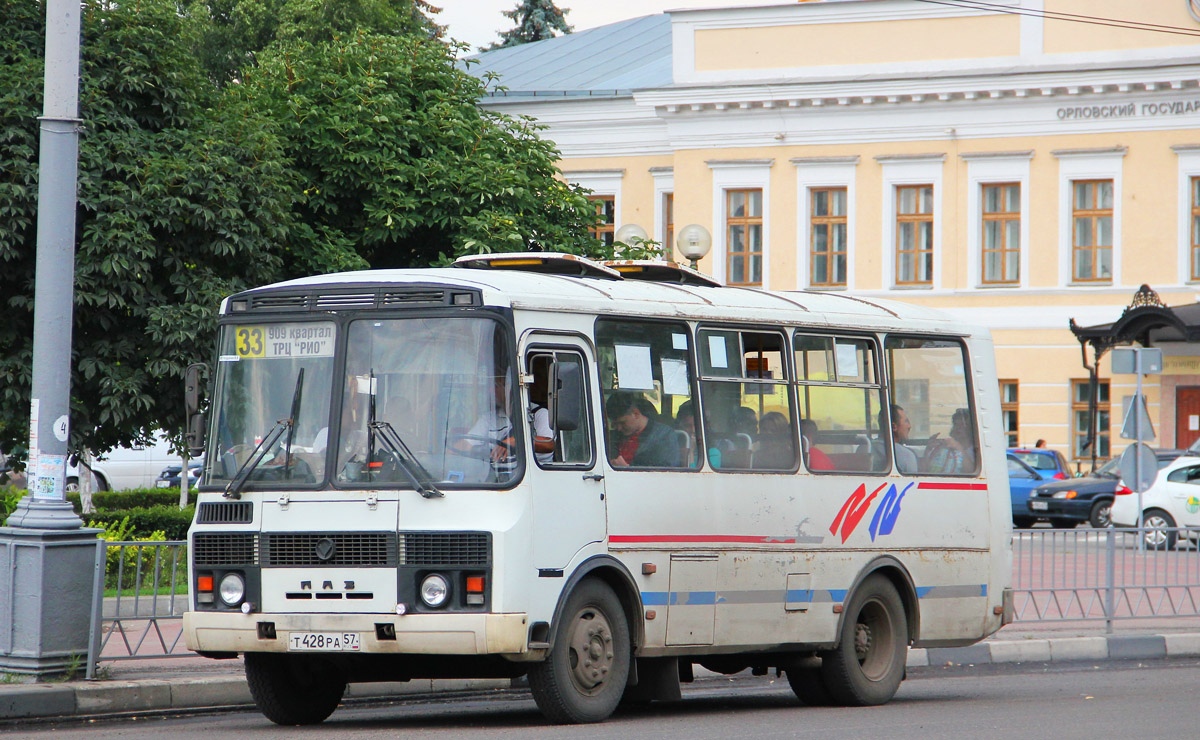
column 595, row 475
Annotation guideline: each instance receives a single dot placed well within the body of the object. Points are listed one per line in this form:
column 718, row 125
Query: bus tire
column 867, row 666
column 809, row 686
column 293, row 691
column 584, row 676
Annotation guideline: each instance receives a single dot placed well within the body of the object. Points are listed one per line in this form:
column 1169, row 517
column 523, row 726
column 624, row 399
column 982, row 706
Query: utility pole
column 48, row 560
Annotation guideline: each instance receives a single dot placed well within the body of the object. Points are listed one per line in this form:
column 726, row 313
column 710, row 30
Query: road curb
column 83, row 699
column 1061, row 649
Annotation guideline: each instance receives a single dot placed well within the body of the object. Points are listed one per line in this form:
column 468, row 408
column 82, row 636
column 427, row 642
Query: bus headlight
column 435, row 590
column 232, row 589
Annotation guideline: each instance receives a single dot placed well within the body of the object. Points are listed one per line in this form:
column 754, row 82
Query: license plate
column 329, row 641
column 1039, row 505
column 163, row 483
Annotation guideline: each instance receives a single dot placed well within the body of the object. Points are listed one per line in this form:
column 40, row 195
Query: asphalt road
column 1149, row 699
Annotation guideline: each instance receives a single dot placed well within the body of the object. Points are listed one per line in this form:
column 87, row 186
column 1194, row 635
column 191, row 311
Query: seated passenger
column 814, row 457
column 955, row 454
column 643, row 441
column 775, row 449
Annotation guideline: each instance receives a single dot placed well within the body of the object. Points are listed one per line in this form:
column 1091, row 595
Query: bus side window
column 746, row 401
column 928, row 379
column 839, row 398
column 648, row 387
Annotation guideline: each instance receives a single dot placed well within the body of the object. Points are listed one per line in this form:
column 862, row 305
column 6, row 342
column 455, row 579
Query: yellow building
column 1021, row 163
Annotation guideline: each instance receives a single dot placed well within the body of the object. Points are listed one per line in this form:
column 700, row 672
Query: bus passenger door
column 568, row 486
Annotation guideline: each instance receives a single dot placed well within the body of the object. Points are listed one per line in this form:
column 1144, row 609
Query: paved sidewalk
column 191, row 683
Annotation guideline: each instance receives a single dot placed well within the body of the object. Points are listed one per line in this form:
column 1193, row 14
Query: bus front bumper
column 430, row 634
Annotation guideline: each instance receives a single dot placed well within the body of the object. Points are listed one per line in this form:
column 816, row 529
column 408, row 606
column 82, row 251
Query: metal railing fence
column 1059, row 575
column 139, row 599
column 1105, row 574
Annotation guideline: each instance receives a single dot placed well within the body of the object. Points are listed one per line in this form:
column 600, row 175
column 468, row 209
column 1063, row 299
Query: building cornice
column 1065, row 85
column 1023, row 154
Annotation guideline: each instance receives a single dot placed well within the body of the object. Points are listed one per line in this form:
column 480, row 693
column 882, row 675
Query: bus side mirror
column 194, row 431
column 566, row 402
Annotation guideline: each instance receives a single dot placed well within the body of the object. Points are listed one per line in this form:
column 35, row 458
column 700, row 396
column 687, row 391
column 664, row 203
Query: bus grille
column 446, row 548
column 226, row 512
column 329, row 549
column 225, row 548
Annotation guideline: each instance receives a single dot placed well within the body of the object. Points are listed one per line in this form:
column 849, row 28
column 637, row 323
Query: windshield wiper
column 287, row 455
column 406, row 460
column 234, row 489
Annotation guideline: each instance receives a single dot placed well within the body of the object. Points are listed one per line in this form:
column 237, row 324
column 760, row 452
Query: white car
column 1173, row 500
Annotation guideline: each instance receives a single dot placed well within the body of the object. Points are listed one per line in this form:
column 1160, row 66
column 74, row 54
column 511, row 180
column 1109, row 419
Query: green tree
column 231, row 33
column 180, row 202
column 397, row 159
column 535, row 20
column 343, row 145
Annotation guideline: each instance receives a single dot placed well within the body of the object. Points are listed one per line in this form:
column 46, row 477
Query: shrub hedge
column 148, row 510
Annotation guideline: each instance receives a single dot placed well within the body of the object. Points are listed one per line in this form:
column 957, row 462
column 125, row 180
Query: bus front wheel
column 866, row 667
column 584, row 676
column 290, row 690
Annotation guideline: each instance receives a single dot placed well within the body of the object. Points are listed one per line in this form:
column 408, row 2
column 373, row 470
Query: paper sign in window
column 679, row 342
column 634, row 371
column 716, row 351
column 847, row 360
column 675, row 377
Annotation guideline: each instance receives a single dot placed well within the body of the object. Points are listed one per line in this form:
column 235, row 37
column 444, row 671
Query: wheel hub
column 592, row 653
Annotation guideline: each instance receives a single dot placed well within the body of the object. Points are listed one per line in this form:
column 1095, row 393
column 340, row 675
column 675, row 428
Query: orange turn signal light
column 474, row 584
column 204, row 583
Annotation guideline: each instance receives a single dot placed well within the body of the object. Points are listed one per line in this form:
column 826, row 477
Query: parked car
column 1173, row 500
column 1043, row 459
column 1021, row 480
column 120, row 468
column 169, row 477
column 1088, row 499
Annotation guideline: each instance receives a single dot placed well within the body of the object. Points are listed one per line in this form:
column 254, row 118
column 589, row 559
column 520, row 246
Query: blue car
column 1022, row 479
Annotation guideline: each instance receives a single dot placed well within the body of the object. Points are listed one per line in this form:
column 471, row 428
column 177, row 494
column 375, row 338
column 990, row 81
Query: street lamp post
column 48, row 560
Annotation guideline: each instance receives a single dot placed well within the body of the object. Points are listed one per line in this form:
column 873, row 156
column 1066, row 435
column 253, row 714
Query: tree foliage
column 315, row 136
column 535, row 20
column 398, row 161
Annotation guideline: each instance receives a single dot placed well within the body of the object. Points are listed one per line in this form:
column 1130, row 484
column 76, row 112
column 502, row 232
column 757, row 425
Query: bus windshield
column 444, row 386
column 268, row 374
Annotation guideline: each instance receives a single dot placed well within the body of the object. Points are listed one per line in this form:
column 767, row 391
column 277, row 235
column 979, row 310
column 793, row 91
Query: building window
column 1080, row 394
column 1091, row 230
column 914, row 234
column 606, row 208
column 1195, row 230
column 1008, row 412
column 1001, row 233
column 743, row 237
column 668, row 222
column 828, row 237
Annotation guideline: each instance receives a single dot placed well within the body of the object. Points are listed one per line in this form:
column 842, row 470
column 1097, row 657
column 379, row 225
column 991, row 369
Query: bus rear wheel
column 866, row 667
column 291, row 690
column 584, row 676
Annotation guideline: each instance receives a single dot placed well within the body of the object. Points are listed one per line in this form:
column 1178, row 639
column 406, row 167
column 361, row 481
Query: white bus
column 593, row 475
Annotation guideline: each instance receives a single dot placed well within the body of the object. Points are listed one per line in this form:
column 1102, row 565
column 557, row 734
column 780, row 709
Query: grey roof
column 608, row 60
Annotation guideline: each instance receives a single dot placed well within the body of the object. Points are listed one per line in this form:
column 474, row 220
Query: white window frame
column 822, row 172
column 920, row 169
column 1189, row 167
column 601, row 182
column 1087, row 164
column 737, row 174
column 989, row 168
column 664, row 183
